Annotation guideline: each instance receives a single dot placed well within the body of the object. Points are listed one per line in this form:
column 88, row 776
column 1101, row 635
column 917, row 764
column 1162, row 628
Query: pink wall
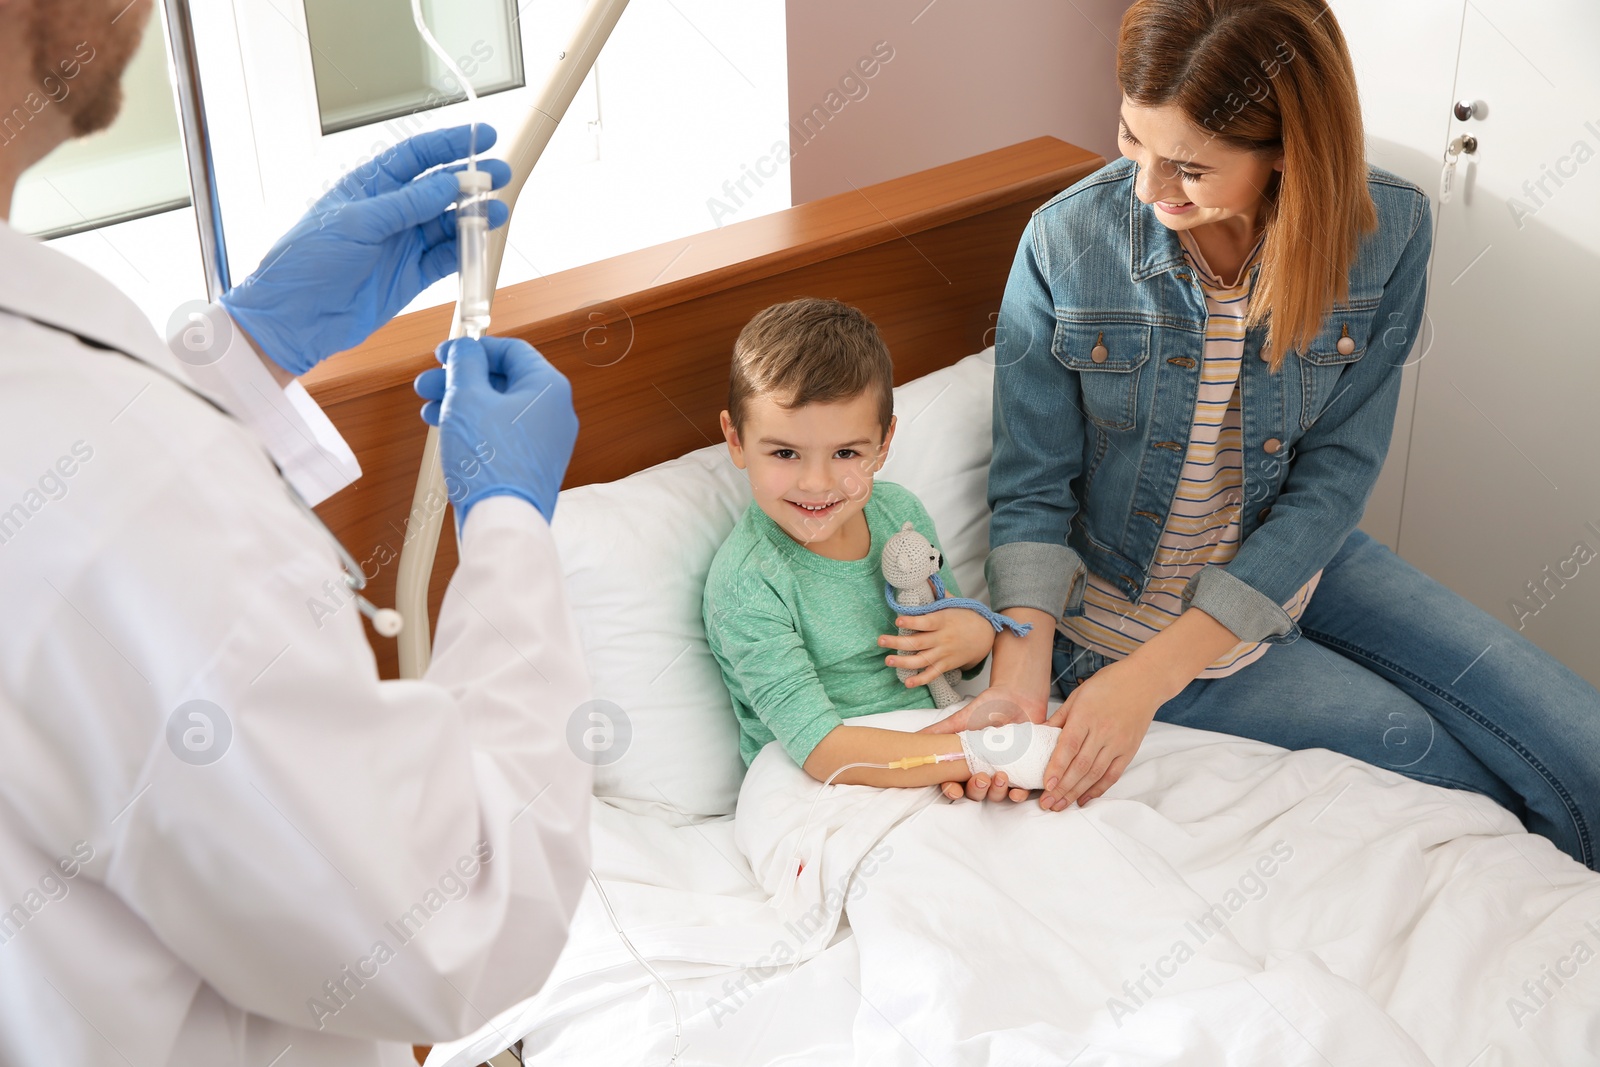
column 950, row 79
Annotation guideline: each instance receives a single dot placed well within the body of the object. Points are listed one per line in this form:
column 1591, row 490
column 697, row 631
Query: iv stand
column 571, row 66
column 544, row 115
column 197, row 146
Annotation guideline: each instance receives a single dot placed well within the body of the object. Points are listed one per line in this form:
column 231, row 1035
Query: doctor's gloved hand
column 506, row 423
column 362, row 252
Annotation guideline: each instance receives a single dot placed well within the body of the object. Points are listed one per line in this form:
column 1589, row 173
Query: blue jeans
column 1400, row 672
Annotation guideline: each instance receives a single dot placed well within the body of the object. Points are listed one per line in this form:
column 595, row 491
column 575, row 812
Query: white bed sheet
column 1406, row 914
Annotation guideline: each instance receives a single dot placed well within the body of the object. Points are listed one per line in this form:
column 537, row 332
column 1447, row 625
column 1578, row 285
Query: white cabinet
column 1493, row 482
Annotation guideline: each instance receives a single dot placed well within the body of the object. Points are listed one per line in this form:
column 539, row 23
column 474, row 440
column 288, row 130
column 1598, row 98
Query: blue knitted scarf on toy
column 995, row 619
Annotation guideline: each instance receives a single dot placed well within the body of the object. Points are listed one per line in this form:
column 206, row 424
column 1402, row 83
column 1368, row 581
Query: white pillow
column 636, row 552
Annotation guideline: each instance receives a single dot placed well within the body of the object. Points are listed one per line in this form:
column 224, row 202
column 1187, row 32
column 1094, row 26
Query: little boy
column 794, row 607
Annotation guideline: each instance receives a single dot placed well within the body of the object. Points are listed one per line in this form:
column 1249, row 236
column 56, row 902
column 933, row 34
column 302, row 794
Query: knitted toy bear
column 911, row 569
column 909, row 562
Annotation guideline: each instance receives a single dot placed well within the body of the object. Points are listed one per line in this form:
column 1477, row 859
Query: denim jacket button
column 1098, row 353
column 1262, row 514
column 1271, row 445
column 1346, row 345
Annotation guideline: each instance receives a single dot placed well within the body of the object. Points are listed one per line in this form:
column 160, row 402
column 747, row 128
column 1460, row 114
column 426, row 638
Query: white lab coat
column 369, row 863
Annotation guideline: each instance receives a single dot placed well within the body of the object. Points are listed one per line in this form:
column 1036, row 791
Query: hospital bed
column 1227, row 902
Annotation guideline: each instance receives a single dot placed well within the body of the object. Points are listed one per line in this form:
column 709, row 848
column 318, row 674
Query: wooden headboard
column 645, row 338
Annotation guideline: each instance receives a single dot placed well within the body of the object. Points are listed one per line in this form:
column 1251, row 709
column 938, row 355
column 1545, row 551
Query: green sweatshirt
column 796, row 634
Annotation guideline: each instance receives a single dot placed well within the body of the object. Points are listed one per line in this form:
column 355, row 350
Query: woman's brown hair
column 1268, row 76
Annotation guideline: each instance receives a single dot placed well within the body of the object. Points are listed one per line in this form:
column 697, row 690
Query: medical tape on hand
column 1020, row 749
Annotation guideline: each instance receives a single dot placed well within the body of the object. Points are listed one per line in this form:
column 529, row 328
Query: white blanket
column 1227, row 902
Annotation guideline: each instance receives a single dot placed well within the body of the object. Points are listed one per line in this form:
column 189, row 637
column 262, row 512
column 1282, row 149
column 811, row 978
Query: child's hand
column 948, row 640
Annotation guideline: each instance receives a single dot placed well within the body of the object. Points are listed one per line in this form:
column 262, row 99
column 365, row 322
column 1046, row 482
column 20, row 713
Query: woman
column 1197, row 368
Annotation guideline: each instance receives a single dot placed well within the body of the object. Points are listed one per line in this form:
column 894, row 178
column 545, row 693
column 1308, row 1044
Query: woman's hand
column 1102, row 724
column 949, row 640
column 1106, row 717
column 995, row 706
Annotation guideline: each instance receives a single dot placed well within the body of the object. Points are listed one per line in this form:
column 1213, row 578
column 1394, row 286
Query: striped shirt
column 1202, row 525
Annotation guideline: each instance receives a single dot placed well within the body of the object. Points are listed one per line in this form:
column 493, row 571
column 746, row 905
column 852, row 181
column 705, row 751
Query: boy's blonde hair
column 810, row 351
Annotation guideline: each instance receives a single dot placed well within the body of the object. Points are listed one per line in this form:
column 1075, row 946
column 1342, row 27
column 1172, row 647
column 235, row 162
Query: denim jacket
column 1098, row 358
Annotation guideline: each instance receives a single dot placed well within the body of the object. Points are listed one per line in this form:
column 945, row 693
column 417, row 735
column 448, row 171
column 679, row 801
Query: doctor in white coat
column 223, row 840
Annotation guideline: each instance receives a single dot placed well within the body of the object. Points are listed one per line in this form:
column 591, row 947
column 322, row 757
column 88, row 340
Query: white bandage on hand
column 1020, row 749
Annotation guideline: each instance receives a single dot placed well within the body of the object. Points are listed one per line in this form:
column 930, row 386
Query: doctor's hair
column 1268, row 76
column 810, row 351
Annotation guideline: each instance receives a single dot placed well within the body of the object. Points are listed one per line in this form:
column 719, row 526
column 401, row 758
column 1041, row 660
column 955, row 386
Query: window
column 370, row 64
column 682, row 126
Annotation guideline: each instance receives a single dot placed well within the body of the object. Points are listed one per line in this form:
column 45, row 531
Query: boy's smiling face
column 811, row 468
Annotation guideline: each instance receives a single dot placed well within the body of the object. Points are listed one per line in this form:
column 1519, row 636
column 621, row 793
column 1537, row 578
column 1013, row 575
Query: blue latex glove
column 364, row 251
column 505, row 418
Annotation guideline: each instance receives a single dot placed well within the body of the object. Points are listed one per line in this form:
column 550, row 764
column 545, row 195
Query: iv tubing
column 472, row 211
column 572, row 64
column 900, row 764
column 677, row 1019
column 455, row 72
column 677, row 1034
column 567, row 72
